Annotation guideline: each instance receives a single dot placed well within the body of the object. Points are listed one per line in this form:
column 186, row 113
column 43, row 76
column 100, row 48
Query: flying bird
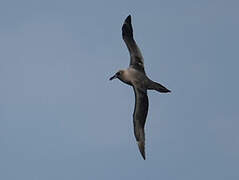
column 136, row 77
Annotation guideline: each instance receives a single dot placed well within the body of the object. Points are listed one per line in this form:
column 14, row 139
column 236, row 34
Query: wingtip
column 144, row 157
column 128, row 19
column 142, row 149
column 127, row 29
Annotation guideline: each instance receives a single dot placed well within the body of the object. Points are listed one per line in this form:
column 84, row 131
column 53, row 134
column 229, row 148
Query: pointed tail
column 158, row 87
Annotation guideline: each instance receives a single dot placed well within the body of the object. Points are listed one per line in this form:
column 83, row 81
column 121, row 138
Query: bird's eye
column 118, row 73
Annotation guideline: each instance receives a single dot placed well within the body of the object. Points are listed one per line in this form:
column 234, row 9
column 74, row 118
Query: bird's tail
column 158, row 87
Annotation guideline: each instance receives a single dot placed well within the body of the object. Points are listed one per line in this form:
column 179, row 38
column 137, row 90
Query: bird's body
column 132, row 77
column 136, row 77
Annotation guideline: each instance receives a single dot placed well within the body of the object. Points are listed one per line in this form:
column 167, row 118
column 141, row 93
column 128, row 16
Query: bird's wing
column 139, row 116
column 136, row 58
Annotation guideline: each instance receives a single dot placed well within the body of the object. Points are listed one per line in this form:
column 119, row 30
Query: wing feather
column 139, row 117
column 136, row 58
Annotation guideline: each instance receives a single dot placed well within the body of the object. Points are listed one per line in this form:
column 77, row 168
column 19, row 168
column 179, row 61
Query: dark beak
column 113, row 77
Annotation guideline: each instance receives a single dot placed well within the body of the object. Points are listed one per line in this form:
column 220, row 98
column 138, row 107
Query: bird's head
column 117, row 75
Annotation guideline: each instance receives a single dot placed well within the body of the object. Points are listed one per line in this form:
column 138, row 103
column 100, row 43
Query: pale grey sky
column 60, row 117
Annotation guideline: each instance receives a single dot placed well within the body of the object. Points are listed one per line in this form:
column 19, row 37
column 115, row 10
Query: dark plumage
column 136, row 77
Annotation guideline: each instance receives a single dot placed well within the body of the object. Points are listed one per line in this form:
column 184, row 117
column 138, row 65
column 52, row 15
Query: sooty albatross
column 136, row 77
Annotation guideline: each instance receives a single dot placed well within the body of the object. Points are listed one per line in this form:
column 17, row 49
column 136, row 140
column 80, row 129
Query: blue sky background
column 61, row 119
